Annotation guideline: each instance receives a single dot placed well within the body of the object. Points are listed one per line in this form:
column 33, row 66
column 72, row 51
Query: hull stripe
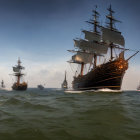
column 98, row 87
column 109, row 79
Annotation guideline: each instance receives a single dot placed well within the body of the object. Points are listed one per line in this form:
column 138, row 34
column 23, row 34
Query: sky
column 41, row 31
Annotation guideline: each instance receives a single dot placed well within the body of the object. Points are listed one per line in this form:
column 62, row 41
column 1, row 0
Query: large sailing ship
column 17, row 72
column 100, row 43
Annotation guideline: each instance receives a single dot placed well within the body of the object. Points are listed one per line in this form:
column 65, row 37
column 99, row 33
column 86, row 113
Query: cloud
column 4, row 75
column 131, row 78
column 52, row 74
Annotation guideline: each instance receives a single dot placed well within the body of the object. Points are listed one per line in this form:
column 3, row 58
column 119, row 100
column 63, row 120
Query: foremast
column 116, row 35
column 95, row 24
column 90, row 47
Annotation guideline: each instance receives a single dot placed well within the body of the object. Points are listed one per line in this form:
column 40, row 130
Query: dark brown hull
column 19, row 87
column 108, row 75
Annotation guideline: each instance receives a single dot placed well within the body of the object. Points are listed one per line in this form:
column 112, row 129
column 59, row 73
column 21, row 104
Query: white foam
column 99, row 90
column 107, row 90
column 73, row 91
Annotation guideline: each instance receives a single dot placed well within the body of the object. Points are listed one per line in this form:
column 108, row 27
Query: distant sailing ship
column 2, row 84
column 98, row 43
column 65, row 83
column 41, row 87
column 17, row 72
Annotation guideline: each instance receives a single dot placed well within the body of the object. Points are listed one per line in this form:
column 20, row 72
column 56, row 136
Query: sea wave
column 55, row 114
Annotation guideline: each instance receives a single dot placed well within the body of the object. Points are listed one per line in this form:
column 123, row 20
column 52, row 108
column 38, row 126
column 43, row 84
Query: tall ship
column 100, row 56
column 2, row 84
column 65, row 83
column 18, row 85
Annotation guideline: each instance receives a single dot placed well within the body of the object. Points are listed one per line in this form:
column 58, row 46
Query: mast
column 2, row 83
column 82, row 69
column 112, row 20
column 18, row 78
column 95, row 60
column 95, row 25
column 111, row 51
column 65, row 76
column 94, row 21
column 90, row 47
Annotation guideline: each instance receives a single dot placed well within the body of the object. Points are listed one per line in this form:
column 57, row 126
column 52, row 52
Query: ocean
column 53, row 114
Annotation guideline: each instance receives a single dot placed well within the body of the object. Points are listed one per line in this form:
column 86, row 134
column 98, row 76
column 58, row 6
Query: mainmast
column 111, row 23
column 65, row 76
column 18, row 81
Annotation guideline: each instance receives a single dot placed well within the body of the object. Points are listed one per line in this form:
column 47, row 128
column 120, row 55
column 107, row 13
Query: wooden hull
column 22, row 86
column 108, row 75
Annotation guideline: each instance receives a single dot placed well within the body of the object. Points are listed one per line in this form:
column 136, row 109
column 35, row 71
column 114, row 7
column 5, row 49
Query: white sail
column 91, row 36
column 91, row 47
column 82, row 58
column 15, row 69
column 76, row 43
column 112, row 36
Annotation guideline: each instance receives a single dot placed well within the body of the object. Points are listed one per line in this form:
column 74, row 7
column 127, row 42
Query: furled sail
column 121, row 55
column 82, row 58
column 112, row 36
column 91, row 36
column 15, row 69
column 92, row 47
